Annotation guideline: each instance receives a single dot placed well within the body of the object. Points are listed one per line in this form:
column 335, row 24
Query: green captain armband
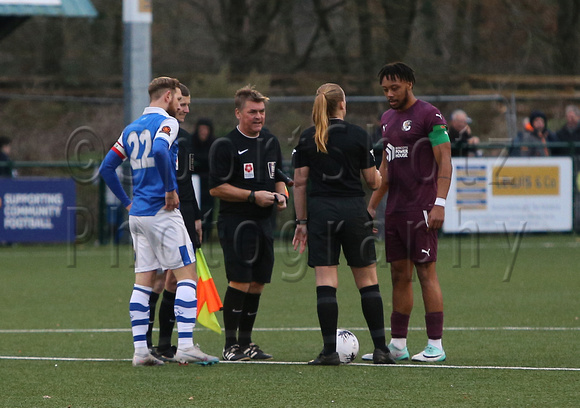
column 438, row 135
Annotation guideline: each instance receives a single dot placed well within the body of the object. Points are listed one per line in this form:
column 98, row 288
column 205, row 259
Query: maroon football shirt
column 412, row 168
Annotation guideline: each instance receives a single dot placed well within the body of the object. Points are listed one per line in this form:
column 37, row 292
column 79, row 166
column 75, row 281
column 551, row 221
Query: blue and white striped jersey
column 155, row 129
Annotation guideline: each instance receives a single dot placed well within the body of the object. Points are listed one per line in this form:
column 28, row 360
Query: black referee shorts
column 248, row 248
column 335, row 222
column 188, row 213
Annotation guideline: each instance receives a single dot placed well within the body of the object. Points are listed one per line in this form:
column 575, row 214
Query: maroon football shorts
column 406, row 237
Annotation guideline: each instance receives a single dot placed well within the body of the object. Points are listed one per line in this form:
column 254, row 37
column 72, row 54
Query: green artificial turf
column 511, row 338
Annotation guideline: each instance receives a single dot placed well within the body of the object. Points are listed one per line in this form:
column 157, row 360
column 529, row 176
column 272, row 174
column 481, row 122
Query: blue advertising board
column 37, row 210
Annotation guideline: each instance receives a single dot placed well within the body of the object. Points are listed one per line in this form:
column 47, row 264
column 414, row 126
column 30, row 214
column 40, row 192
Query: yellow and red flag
column 208, row 298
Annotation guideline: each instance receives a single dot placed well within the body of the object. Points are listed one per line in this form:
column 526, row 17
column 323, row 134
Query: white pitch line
column 51, row 331
column 62, row 358
column 47, row 331
column 287, row 329
column 492, row 367
column 419, row 365
column 432, row 366
column 506, row 328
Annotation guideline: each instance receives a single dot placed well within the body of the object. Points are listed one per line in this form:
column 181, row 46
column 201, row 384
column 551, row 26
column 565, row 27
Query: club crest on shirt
column 272, row 169
column 248, row 170
column 406, row 125
column 166, row 130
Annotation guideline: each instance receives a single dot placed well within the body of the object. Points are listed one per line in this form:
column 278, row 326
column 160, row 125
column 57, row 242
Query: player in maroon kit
column 416, row 171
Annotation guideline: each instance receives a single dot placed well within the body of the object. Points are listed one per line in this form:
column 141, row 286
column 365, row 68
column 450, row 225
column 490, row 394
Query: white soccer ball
column 346, row 345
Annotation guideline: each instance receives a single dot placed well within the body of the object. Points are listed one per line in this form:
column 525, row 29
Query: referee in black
column 243, row 176
column 331, row 156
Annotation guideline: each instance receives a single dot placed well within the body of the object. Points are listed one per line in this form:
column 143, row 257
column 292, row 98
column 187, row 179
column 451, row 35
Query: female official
column 332, row 155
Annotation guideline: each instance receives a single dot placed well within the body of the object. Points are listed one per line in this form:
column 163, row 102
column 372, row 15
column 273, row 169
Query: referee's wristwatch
column 301, row 222
column 252, row 197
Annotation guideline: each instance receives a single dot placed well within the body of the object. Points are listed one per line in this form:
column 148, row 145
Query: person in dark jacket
column 5, row 143
column 539, row 138
column 202, row 139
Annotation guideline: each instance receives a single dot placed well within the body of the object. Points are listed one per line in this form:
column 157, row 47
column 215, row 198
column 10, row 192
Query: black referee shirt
column 336, row 173
column 185, row 188
column 184, row 171
column 247, row 163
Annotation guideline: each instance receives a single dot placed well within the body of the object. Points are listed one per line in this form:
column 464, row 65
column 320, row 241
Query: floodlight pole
column 137, row 18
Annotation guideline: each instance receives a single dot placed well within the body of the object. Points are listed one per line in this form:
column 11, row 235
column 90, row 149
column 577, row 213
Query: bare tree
column 567, row 37
column 399, row 16
column 287, row 20
column 364, row 16
column 240, row 27
column 324, row 27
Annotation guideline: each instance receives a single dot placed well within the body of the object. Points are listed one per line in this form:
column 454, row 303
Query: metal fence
column 102, row 219
column 286, row 114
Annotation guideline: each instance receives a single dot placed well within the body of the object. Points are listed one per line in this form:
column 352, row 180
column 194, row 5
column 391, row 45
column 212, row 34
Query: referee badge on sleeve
column 272, row 169
column 191, row 162
column 248, row 170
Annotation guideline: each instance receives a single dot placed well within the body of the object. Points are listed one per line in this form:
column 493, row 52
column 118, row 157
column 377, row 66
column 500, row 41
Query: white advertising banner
column 512, row 194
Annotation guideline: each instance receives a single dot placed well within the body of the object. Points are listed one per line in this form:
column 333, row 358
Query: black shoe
column 383, row 357
column 165, row 354
column 255, row 353
column 326, row 359
column 234, row 353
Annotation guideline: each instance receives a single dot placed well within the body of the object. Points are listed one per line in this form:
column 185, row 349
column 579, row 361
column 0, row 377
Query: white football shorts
column 160, row 241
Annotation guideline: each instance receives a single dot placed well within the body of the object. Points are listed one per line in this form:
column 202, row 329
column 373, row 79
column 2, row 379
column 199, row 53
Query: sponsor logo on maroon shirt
column 396, row 152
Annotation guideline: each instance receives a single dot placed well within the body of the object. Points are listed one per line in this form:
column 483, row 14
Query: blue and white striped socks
column 139, row 312
column 185, row 312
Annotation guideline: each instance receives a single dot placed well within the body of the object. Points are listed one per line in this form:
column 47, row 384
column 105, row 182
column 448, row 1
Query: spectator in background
column 5, row 148
column 570, row 132
column 515, row 147
column 5, row 170
column 462, row 141
column 202, row 140
column 537, row 140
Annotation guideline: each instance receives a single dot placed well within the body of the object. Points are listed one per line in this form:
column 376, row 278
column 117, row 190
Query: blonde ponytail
column 320, row 119
column 328, row 96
